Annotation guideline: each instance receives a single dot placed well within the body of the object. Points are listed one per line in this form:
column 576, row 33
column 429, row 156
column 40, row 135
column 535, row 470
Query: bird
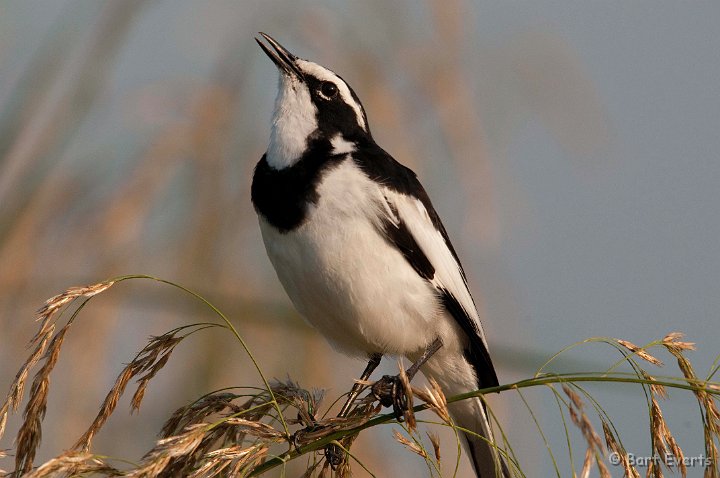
column 360, row 250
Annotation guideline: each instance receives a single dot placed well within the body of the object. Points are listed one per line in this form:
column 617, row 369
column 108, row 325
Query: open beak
column 281, row 57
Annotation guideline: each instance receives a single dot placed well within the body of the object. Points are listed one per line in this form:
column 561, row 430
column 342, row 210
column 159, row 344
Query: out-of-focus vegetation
column 113, row 161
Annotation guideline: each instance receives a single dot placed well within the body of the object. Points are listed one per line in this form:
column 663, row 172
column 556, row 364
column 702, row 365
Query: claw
column 296, row 440
column 390, row 392
column 297, row 437
column 334, row 455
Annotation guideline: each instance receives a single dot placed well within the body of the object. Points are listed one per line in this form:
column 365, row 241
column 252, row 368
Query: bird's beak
column 281, row 57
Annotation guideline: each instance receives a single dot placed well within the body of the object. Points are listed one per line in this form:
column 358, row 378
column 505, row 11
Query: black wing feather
column 397, row 233
column 477, row 354
column 382, row 168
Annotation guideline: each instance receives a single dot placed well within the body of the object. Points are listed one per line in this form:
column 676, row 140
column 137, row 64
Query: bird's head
column 314, row 108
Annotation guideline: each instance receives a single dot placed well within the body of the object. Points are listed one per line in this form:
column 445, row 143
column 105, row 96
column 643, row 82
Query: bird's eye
column 328, row 89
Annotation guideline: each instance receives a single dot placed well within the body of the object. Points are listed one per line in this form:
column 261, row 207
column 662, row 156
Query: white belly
column 347, row 281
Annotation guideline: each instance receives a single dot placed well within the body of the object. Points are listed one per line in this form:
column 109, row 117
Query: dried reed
column 242, row 434
column 595, row 448
column 149, row 361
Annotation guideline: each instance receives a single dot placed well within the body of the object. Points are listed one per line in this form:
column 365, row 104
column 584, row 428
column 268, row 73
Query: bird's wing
column 409, row 222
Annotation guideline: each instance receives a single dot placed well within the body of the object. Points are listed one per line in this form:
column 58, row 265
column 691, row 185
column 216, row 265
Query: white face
column 295, row 115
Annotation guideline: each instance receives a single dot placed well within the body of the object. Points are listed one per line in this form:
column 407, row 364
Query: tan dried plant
column 47, row 316
column 74, row 463
column 595, row 449
column 247, row 434
column 706, row 394
column 616, row 447
column 151, row 359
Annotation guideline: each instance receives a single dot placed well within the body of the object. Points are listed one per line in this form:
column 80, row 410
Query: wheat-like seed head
column 656, row 389
column 435, row 398
column 157, row 460
column 408, row 413
column 40, row 342
column 230, row 461
column 595, row 448
column 629, row 470
column 30, row 433
column 435, row 441
column 409, row 444
column 672, row 340
column 73, row 463
column 707, row 400
column 640, row 352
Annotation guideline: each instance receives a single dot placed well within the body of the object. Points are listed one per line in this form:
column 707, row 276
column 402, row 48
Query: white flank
column 448, row 276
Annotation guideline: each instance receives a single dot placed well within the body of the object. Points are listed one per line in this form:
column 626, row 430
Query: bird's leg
column 390, row 390
column 429, row 352
column 355, row 390
column 333, row 453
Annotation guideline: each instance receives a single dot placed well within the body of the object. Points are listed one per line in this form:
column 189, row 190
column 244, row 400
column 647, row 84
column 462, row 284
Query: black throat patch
column 282, row 196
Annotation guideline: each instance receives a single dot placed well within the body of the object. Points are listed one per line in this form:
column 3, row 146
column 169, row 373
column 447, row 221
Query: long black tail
column 456, row 378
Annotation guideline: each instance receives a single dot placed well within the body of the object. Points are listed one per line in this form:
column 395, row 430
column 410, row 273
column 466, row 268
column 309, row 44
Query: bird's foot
column 390, row 392
column 301, row 437
column 334, row 455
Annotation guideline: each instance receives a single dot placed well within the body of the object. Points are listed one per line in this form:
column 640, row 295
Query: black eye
column 328, row 89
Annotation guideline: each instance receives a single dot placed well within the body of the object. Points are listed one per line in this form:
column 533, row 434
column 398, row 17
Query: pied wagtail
column 360, row 250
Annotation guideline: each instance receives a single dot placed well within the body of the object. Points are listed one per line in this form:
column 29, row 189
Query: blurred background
column 570, row 147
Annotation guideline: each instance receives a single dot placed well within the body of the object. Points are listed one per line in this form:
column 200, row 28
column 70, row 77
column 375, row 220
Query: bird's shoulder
column 382, row 168
column 385, row 170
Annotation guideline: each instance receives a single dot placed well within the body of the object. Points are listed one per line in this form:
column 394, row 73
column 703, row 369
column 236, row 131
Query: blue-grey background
column 571, row 148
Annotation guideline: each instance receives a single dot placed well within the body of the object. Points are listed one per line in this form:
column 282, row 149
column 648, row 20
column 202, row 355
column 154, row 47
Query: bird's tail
column 487, row 461
column 471, row 415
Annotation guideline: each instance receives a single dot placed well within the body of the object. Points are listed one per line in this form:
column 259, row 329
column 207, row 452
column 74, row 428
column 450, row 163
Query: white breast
column 344, row 277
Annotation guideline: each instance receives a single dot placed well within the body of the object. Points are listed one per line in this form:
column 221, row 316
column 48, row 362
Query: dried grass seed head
column 672, row 340
column 640, row 352
column 74, row 463
column 435, row 398
column 409, row 444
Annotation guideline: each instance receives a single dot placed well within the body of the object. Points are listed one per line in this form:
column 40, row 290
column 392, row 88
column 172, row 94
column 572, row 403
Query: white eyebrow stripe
column 326, row 75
